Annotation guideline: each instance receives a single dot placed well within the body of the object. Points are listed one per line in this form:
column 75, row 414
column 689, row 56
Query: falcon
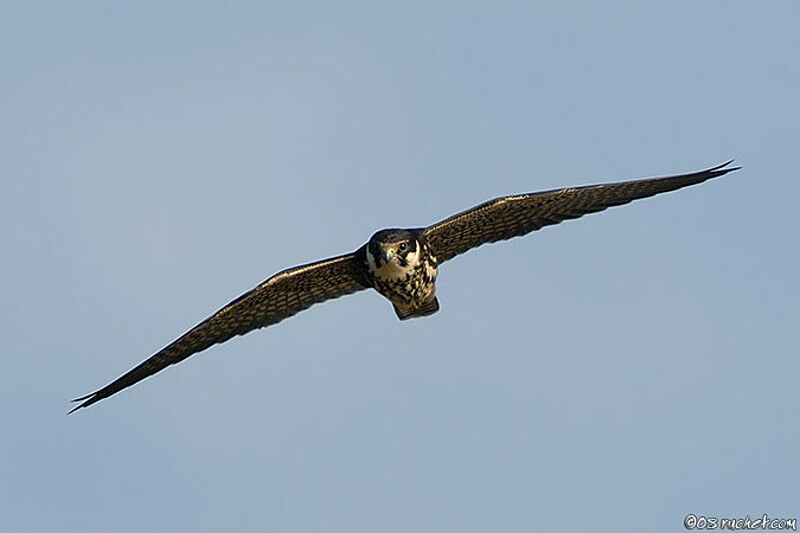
column 400, row 264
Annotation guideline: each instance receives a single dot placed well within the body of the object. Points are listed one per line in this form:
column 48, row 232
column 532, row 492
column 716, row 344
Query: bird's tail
column 424, row 309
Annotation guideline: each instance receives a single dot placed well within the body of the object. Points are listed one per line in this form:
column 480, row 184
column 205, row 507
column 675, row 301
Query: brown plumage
column 394, row 257
column 281, row 296
column 513, row 216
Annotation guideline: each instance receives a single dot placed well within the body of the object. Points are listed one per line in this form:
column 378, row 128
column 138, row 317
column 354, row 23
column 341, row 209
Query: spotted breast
column 402, row 268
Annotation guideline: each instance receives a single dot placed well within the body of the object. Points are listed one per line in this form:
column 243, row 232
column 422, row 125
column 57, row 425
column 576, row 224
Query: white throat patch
column 393, row 269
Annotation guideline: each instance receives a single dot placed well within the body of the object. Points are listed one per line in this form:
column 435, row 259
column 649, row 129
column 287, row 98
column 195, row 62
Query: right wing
column 279, row 297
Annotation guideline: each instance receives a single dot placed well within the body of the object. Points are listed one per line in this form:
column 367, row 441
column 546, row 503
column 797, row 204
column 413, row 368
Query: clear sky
column 613, row 373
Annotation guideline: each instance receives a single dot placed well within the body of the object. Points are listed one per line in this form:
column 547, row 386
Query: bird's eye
column 402, row 246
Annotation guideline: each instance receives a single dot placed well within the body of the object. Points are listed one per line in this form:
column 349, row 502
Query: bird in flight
column 401, row 264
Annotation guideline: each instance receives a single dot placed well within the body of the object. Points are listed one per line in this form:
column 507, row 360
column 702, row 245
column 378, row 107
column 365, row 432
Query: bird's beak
column 388, row 254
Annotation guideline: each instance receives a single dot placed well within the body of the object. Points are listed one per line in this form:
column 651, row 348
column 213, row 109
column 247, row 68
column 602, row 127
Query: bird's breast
column 413, row 282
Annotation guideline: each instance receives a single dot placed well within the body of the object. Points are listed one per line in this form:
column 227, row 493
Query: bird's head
column 393, row 246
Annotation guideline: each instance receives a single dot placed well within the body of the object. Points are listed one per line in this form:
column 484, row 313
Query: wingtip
column 725, row 164
column 720, row 170
column 86, row 401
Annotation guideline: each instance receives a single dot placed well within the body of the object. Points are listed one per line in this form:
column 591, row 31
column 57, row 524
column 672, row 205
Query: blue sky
column 613, row 373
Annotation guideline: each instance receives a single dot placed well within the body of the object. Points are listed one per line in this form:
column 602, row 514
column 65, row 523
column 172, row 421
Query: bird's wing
column 279, row 297
column 513, row 216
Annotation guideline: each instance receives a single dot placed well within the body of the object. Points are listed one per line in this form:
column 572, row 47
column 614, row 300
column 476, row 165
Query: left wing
column 281, row 296
column 513, row 216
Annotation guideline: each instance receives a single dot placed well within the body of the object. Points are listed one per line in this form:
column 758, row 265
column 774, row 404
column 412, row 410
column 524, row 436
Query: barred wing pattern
column 513, row 216
column 279, row 297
